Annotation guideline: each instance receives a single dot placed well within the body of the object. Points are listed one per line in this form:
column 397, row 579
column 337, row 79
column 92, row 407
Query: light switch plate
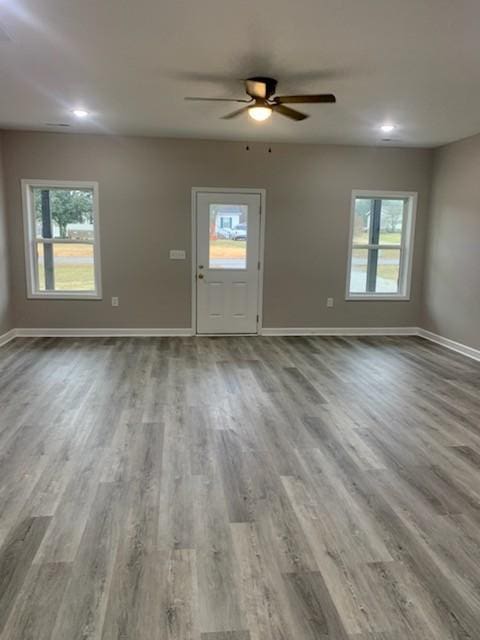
column 178, row 254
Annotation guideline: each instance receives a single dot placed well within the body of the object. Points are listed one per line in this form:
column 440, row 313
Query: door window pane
column 358, row 273
column 65, row 267
column 228, row 236
column 388, row 271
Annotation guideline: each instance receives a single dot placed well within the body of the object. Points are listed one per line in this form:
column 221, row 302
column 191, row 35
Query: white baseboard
column 339, row 331
column 6, row 337
column 470, row 352
column 100, row 333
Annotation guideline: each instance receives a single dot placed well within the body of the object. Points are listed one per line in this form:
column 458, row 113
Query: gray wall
column 452, row 266
column 5, row 302
column 145, row 210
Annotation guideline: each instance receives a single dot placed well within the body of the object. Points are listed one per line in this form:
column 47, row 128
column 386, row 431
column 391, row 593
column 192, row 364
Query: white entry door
column 227, row 275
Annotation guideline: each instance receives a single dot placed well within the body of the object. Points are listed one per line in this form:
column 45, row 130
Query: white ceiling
column 131, row 62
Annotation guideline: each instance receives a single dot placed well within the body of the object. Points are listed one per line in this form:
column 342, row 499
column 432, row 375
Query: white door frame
column 263, row 196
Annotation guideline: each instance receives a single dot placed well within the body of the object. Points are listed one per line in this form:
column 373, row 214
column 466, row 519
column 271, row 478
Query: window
column 61, row 239
column 381, row 245
column 226, row 223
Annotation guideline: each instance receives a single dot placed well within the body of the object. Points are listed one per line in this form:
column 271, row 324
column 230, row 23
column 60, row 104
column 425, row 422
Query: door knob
column 200, row 276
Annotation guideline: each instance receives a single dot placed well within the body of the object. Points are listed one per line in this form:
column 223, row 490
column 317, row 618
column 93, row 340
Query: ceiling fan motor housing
column 254, row 89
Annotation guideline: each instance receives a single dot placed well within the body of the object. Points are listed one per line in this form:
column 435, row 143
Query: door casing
column 263, row 196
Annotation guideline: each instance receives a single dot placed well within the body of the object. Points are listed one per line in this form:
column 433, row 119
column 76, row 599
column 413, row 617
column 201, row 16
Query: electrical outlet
column 115, row 301
column 329, row 302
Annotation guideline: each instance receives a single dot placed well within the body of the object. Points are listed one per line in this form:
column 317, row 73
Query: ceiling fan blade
column 256, row 88
column 236, row 113
column 313, row 99
column 293, row 114
column 216, row 99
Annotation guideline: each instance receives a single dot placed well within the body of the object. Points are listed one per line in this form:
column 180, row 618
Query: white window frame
column 31, row 240
column 406, row 246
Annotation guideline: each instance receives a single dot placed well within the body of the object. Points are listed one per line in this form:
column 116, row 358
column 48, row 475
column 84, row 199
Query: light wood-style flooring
column 239, row 489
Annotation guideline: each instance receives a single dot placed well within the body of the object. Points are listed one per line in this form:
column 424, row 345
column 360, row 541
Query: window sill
column 64, row 296
column 369, row 297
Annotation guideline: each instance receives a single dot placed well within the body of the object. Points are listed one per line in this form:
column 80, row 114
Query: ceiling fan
column 262, row 101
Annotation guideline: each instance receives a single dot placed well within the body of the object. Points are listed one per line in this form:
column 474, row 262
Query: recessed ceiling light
column 387, row 128
column 80, row 113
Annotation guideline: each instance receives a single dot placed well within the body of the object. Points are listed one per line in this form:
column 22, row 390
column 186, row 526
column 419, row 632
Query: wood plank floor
column 239, row 489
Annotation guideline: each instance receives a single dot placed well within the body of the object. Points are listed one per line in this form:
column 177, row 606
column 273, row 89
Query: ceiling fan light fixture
column 260, row 112
column 262, row 102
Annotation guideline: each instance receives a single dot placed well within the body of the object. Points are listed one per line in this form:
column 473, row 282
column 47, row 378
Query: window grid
column 45, row 287
column 374, row 246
